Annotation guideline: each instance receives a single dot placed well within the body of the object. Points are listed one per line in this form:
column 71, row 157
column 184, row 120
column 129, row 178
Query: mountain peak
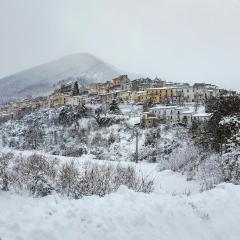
column 80, row 55
column 43, row 79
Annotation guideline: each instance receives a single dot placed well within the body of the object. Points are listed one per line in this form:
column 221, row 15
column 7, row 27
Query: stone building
column 204, row 91
column 148, row 120
column 57, row 99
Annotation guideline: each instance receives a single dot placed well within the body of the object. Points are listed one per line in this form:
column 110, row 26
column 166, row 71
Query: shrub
column 36, row 174
column 195, row 164
column 209, row 172
column 129, row 177
column 231, row 168
column 41, row 176
column 152, row 136
column 99, row 179
column 67, row 180
column 74, row 151
column 5, row 173
column 180, row 159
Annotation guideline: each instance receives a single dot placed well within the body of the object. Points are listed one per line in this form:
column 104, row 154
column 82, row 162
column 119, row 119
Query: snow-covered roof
column 4, row 114
column 188, row 112
column 180, row 87
column 119, row 90
column 163, row 107
column 202, row 115
column 67, row 84
column 151, row 117
column 181, row 108
column 161, row 88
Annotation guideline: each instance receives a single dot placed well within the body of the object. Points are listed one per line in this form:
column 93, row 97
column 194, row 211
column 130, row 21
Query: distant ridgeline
column 43, row 79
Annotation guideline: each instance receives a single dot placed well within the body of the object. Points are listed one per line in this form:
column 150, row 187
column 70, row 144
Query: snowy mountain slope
column 43, row 78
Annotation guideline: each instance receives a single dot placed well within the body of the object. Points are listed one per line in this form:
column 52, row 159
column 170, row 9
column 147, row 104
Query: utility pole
column 137, row 133
column 136, row 153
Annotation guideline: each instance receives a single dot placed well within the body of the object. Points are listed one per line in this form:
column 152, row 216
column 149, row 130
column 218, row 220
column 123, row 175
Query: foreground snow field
column 167, row 213
column 124, row 215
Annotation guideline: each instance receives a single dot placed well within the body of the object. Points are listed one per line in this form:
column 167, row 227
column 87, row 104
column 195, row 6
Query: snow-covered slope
column 211, row 215
column 43, row 78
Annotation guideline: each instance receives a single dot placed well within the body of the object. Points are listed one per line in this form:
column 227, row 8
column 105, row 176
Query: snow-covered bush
column 67, row 180
column 159, row 143
column 5, row 171
column 195, row 164
column 129, row 177
column 152, row 136
column 99, row 179
column 73, row 151
column 209, row 172
column 35, row 174
column 33, row 137
column 231, row 168
column 149, row 154
column 40, row 176
column 109, row 119
column 183, row 157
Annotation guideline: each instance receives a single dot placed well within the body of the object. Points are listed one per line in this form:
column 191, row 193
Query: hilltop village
column 160, row 99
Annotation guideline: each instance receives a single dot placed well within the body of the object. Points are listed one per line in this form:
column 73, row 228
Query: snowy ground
column 177, row 209
column 168, row 213
column 124, row 215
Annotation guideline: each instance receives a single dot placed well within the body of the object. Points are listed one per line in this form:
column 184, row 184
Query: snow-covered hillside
column 42, row 79
column 170, row 146
column 69, row 173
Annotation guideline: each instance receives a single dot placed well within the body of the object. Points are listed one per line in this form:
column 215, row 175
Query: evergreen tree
column 4, row 140
column 33, row 137
column 213, row 134
column 145, row 107
column 150, row 103
column 185, row 121
column 114, row 106
column 75, row 89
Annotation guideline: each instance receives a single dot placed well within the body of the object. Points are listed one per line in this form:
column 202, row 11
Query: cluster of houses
column 174, row 98
column 67, row 94
column 146, row 90
column 173, row 114
column 122, row 89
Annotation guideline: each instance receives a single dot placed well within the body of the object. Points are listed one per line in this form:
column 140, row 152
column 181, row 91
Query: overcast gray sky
column 179, row 40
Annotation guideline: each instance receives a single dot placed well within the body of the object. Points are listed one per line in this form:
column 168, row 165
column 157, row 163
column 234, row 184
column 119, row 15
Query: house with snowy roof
column 179, row 114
